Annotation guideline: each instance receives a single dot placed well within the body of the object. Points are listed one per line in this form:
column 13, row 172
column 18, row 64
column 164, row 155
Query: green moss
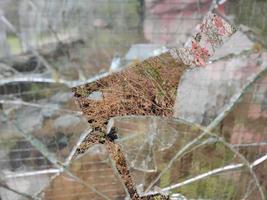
column 82, row 91
column 157, row 198
column 210, row 157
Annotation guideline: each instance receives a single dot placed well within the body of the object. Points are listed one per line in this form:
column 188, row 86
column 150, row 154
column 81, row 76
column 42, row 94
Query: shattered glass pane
column 201, row 100
column 119, row 93
column 96, row 178
column 154, row 151
column 56, row 43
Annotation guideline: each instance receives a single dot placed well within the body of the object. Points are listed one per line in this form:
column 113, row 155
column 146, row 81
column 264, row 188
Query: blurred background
column 49, row 46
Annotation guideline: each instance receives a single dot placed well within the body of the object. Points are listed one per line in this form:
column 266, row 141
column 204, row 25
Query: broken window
column 190, row 123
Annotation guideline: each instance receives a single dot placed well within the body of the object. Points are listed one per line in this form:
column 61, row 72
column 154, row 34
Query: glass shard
column 56, row 128
column 245, row 125
column 34, row 137
column 203, row 99
column 22, row 164
column 89, row 176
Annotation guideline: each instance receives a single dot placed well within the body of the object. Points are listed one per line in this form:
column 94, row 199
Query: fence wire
column 215, row 147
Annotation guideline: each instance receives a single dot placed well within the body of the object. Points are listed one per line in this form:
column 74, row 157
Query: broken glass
column 153, row 148
column 57, row 128
column 213, row 87
column 21, row 164
column 19, row 185
column 245, row 125
column 120, row 92
column 8, row 194
column 235, row 184
column 89, row 176
column 38, row 137
column 34, row 137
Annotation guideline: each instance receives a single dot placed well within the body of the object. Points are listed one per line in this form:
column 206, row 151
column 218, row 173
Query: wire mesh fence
column 213, row 145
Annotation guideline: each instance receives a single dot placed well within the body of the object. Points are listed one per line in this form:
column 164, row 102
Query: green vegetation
column 14, row 44
column 200, row 161
column 210, row 188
